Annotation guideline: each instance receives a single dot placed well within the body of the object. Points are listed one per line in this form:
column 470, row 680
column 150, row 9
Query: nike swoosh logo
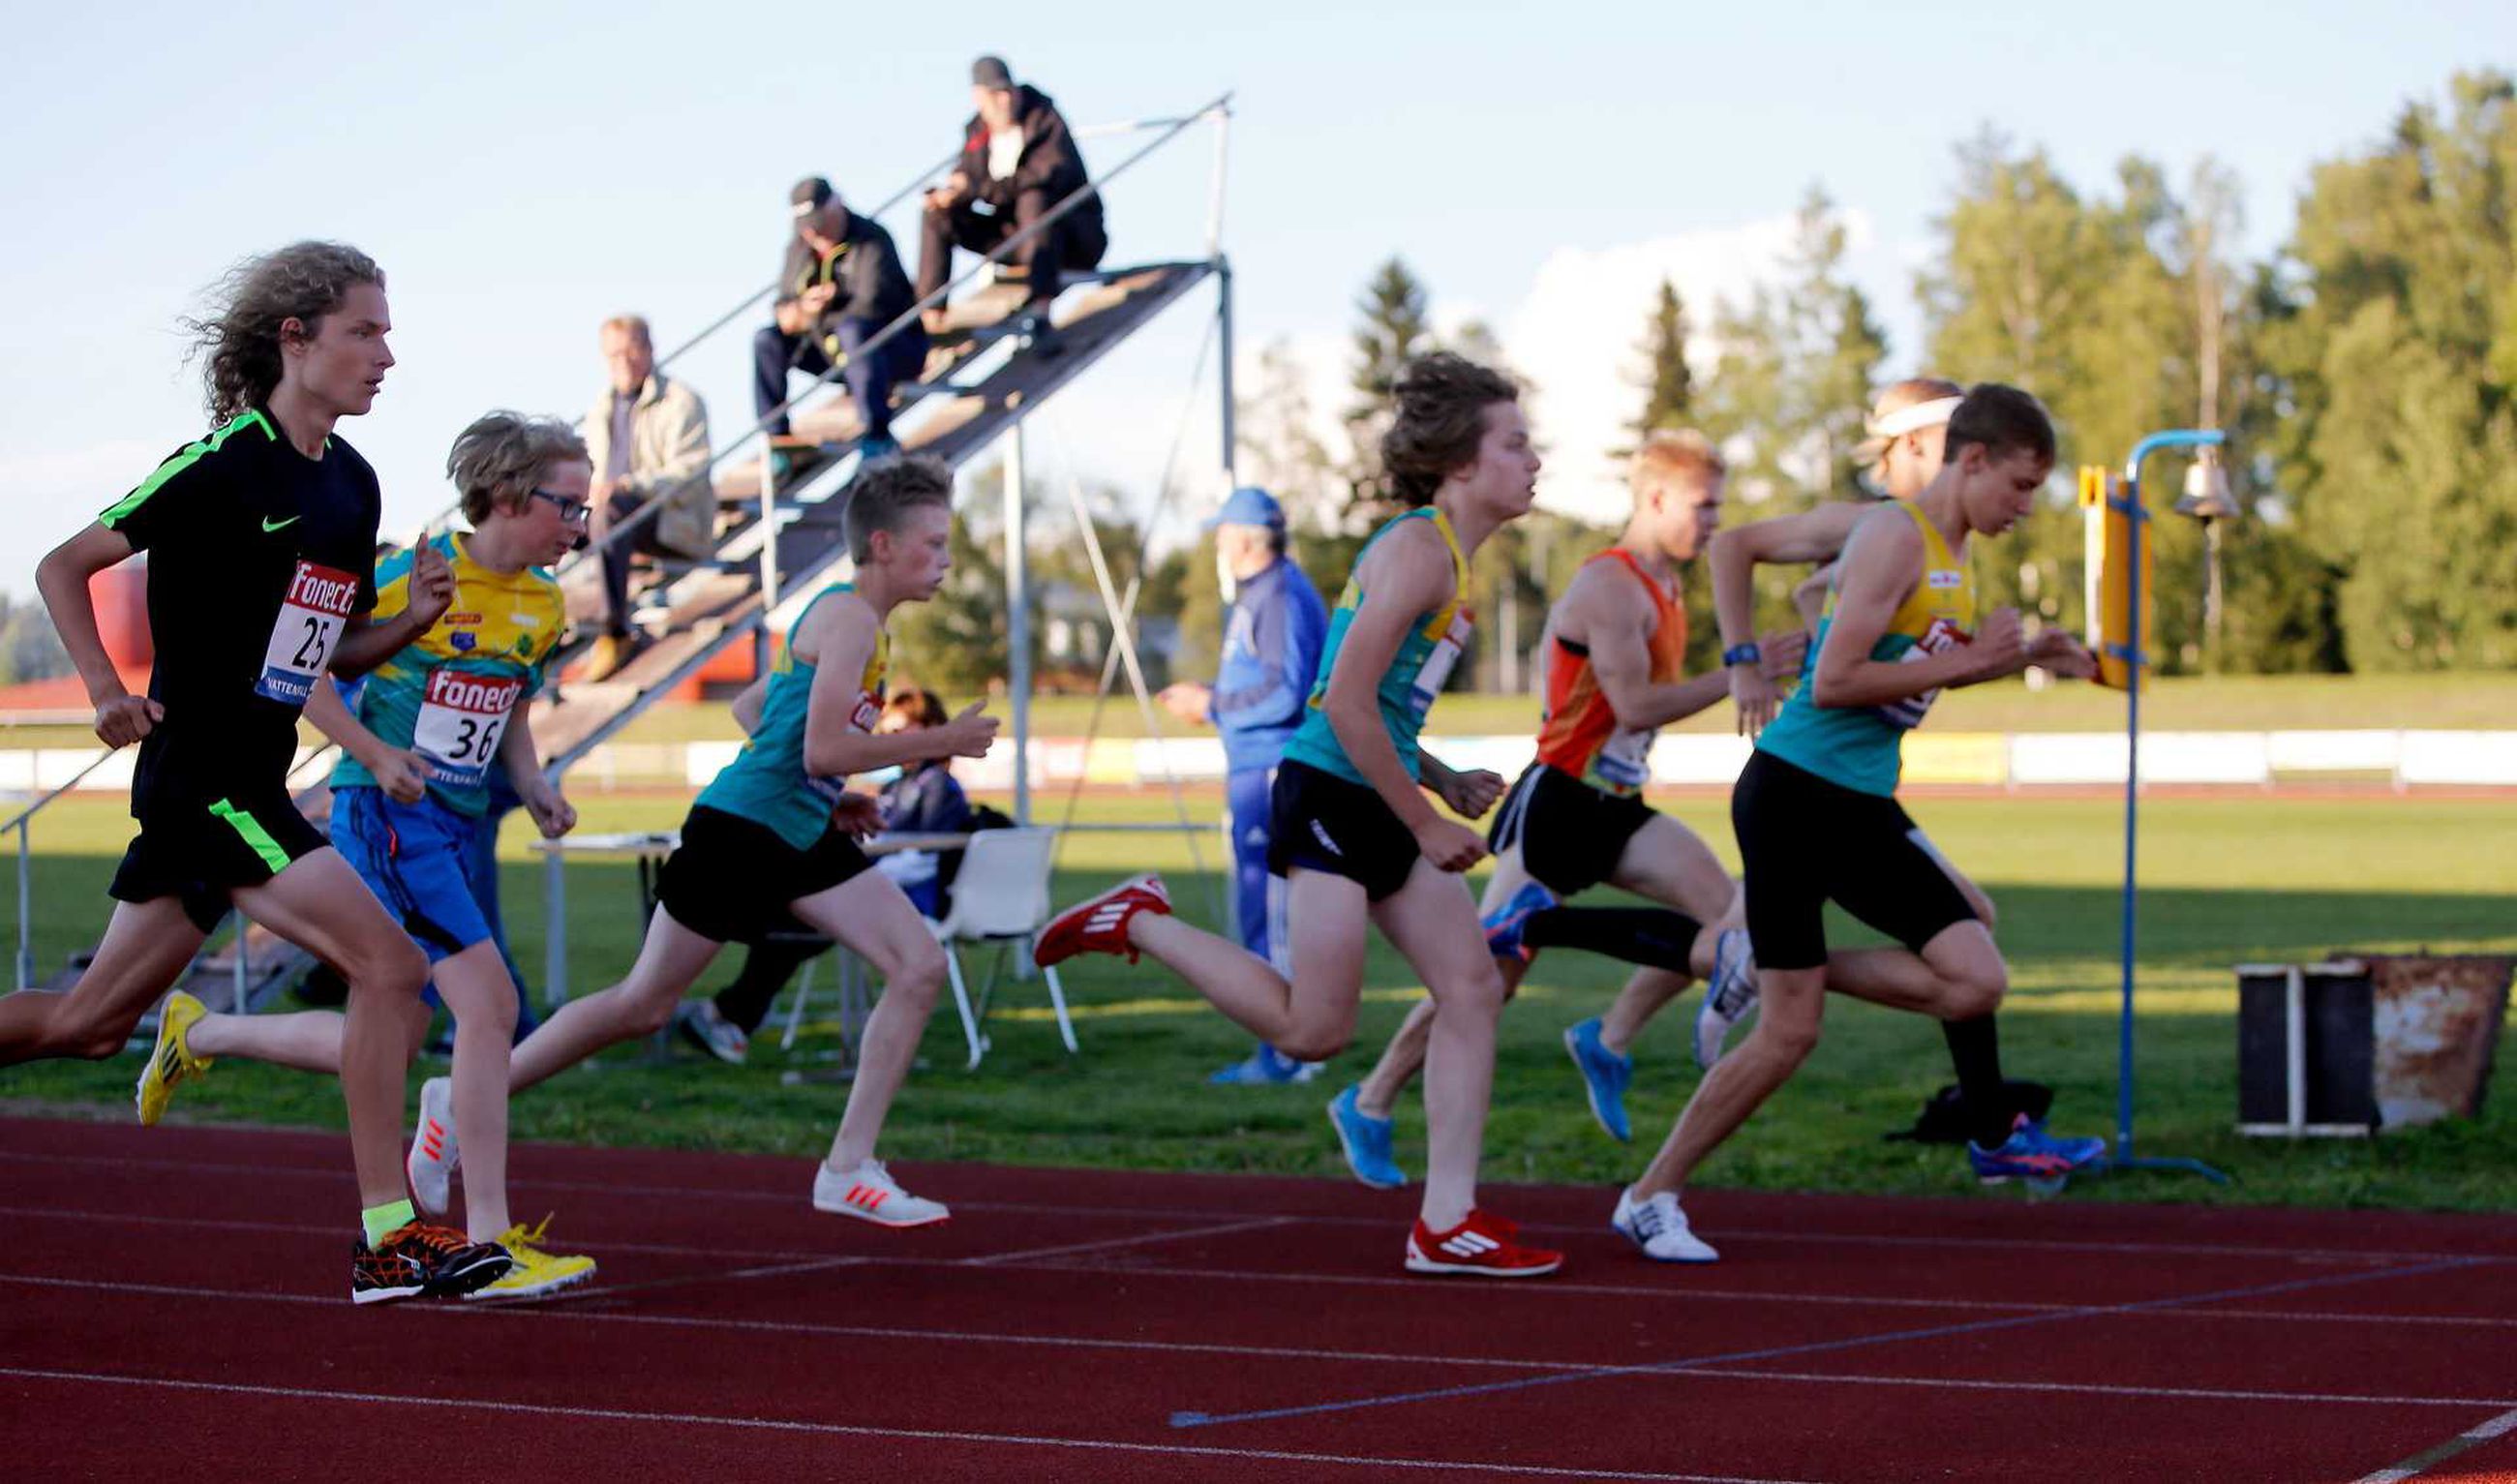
column 268, row 523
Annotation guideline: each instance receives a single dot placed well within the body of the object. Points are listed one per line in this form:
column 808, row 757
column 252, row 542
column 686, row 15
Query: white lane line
column 2428, row 1459
column 2361, row 1256
column 1148, row 1239
column 842, row 1429
column 570, row 1307
column 1202, row 1275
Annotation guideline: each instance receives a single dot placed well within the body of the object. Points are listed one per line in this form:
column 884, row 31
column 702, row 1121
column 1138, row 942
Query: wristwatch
column 1743, row 654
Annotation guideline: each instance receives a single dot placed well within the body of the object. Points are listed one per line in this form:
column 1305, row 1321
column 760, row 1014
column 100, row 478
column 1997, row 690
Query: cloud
column 1574, row 335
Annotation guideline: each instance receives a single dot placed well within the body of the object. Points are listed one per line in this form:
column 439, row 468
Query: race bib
column 1436, row 670
column 460, row 722
column 862, row 717
column 1938, row 638
column 1625, row 759
column 302, row 638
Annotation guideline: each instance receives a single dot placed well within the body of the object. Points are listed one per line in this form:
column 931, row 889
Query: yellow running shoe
column 170, row 1061
column 535, row 1272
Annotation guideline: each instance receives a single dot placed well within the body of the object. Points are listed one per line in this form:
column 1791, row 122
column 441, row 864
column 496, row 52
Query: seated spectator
column 924, row 799
column 841, row 282
column 649, row 440
column 1019, row 161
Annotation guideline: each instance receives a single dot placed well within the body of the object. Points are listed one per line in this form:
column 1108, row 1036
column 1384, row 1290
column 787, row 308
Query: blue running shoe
column 1729, row 998
column 2032, row 1155
column 1502, row 929
column 1604, row 1076
column 871, row 449
column 1265, row 1066
column 1366, row 1142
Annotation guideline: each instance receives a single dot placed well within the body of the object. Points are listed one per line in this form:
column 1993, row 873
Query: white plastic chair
column 1002, row 897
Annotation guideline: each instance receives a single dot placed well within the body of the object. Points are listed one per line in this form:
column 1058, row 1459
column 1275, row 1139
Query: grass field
column 2237, row 703
column 2226, row 880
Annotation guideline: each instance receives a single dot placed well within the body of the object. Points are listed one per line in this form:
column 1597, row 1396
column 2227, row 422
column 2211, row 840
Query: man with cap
column 1273, row 631
column 840, row 284
column 1019, row 161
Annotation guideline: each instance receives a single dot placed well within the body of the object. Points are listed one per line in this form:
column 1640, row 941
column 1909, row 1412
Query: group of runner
column 1815, row 812
column 263, row 592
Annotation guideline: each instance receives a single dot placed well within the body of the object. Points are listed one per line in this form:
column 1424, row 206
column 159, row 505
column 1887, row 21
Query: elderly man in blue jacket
column 1273, row 632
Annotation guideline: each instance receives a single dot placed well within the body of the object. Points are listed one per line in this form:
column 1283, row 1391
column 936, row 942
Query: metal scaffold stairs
column 778, row 528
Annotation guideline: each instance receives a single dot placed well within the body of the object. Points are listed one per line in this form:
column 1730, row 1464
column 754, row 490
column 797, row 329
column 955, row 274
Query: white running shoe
column 434, row 1154
column 1728, row 998
column 869, row 1193
column 1659, row 1228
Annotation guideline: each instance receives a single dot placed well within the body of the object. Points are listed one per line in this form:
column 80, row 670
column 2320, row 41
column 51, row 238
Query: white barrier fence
column 2022, row 760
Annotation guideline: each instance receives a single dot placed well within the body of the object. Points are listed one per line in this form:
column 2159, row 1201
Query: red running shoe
column 1099, row 924
column 1481, row 1247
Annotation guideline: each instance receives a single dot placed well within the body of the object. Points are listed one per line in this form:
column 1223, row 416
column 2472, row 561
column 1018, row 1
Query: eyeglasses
column 573, row 512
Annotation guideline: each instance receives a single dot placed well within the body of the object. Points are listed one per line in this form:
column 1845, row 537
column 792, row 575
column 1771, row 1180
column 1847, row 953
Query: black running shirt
column 258, row 558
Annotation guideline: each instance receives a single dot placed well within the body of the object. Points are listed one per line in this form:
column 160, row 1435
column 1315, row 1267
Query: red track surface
column 173, row 1305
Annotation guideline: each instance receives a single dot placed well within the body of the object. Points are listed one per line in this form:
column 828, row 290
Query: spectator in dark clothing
column 1018, row 159
column 840, row 284
column 924, row 799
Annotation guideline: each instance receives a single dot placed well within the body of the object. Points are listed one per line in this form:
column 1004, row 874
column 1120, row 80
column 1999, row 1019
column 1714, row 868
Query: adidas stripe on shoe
column 1480, row 1247
column 869, row 1193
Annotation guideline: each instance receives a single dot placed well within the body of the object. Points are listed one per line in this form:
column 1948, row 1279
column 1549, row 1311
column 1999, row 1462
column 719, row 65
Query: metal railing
column 23, row 823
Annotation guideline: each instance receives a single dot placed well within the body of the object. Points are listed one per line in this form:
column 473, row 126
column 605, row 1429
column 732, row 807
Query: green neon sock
column 381, row 1221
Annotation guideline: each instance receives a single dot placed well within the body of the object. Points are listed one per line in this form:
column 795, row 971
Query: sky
column 523, row 171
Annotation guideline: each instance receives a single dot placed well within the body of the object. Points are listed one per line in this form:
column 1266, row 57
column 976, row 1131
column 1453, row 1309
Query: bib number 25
column 302, row 637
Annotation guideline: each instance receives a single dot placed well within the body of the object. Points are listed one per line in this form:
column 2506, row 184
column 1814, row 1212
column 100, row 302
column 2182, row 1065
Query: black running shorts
column 1805, row 842
column 733, row 877
column 200, row 852
column 1320, row 821
column 1571, row 835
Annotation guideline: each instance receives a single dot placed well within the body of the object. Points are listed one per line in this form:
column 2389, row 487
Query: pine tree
column 1394, row 330
column 1667, row 384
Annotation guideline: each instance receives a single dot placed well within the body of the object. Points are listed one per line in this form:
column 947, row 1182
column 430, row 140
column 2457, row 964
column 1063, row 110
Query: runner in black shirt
column 261, row 542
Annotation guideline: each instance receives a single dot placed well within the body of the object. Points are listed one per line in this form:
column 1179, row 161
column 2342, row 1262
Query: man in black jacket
column 1018, row 159
column 840, row 284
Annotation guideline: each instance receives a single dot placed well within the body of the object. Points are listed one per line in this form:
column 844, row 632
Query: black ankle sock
column 1653, row 936
column 1975, row 1050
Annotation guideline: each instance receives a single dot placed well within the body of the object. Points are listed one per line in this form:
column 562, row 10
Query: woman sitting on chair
column 924, row 799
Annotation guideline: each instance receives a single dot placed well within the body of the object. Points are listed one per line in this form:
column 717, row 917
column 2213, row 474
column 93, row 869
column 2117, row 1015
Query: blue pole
column 2136, row 655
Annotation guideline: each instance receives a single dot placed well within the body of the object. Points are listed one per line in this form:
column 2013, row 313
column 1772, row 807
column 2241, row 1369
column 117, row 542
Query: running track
column 172, row 1306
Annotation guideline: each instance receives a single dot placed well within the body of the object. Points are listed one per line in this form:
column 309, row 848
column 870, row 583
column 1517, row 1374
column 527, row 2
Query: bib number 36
column 460, row 722
column 309, row 624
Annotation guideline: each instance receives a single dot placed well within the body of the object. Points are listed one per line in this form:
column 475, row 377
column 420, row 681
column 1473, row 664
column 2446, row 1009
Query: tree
column 1788, row 395
column 1280, row 451
column 1668, row 385
column 29, row 648
column 1393, row 331
column 2398, row 356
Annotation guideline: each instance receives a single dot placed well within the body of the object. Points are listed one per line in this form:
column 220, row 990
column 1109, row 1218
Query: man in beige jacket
column 648, row 441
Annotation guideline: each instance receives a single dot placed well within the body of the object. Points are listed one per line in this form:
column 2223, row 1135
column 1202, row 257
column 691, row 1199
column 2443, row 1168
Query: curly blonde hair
column 1443, row 400
column 238, row 340
column 499, row 461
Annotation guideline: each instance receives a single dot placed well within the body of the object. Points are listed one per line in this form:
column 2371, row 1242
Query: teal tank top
column 1416, row 673
column 1862, row 748
column 766, row 782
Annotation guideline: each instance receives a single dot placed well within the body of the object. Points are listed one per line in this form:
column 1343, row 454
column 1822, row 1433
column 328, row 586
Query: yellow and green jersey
column 1416, row 673
column 448, row 693
column 1862, row 746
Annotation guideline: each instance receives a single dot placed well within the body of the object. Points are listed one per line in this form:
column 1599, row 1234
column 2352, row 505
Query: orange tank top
column 1579, row 735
